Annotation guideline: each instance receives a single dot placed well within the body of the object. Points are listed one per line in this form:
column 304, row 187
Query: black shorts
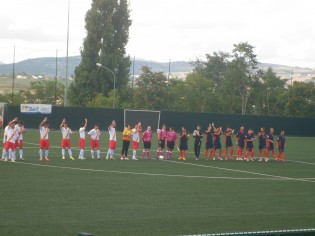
column 147, row 145
column 217, row 146
column 262, row 146
column 240, row 146
column 250, row 149
column 270, row 147
column 229, row 144
column 170, row 145
column 161, row 143
column 281, row 149
column 209, row 146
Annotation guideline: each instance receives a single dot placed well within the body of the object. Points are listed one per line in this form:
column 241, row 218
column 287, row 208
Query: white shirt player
column 95, row 134
column 43, row 132
column 20, row 130
column 66, row 132
column 135, row 135
column 82, row 132
column 12, row 135
column 112, row 133
column 5, row 134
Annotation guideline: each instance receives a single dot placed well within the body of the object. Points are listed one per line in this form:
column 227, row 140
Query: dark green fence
column 104, row 116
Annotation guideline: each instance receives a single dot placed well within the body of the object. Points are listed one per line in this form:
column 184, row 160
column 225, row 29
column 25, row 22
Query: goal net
column 147, row 118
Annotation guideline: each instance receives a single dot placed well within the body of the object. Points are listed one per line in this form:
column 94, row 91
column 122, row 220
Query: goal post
column 146, row 117
column 2, row 106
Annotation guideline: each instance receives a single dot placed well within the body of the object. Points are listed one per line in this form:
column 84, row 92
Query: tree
column 44, row 91
column 151, row 90
column 107, row 26
column 243, row 66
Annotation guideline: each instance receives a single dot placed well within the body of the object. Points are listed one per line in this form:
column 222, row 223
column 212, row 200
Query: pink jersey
column 162, row 134
column 147, row 136
column 171, row 136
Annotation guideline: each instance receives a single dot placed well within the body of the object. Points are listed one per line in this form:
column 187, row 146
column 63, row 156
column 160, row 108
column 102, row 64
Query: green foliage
column 107, row 26
column 43, row 91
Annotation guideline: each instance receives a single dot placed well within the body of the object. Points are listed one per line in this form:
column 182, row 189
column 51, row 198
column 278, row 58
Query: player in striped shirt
column 171, row 140
column 135, row 140
column 112, row 141
column 44, row 141
column 82, row 140
column 65, row 142
column 146, row 139
column 94, row 141
column 161, row 141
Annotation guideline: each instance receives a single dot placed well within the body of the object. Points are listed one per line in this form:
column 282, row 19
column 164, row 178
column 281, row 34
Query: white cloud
column 281, row 31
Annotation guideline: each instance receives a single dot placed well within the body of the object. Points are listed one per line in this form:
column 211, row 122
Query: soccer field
column 149, row 197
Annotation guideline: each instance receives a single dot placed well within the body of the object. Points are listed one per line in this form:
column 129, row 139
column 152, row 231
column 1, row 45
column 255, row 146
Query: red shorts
column 19, row 143
column 65, row 143
column 82, row 143
column 112, row 144
column 95, row 144
column 135, row 145
column 44, row 143
column 8, row 145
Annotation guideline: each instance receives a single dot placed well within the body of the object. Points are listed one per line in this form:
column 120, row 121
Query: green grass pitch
column 149, row 197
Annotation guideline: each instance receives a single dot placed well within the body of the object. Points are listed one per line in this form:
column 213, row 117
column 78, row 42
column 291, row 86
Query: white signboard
column 36, row 108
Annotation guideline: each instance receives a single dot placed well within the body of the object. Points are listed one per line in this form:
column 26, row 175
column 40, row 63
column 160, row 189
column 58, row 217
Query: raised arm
column 42, row 123
column 62, row 122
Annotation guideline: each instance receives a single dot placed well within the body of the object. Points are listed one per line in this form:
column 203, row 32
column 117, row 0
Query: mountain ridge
column 46, row 66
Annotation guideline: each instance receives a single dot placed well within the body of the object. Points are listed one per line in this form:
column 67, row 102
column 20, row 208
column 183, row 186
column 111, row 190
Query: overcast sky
column 282, row 32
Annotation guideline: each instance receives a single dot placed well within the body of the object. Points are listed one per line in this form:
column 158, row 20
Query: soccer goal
column 146, row 118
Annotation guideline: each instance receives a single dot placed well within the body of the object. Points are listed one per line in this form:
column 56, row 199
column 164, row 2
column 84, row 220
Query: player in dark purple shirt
column 228, row 143
column 209, row 141
column 281, row 144
column 270, row 144
column 249, row 138
column 262, row 143
column 240, row 141
column 217, row 143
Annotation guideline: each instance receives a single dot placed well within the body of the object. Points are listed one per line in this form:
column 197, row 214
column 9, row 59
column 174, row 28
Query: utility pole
column 13, row 76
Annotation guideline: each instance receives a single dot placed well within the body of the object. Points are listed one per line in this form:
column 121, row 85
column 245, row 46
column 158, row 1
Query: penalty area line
column 147, row 174
column 246, row 172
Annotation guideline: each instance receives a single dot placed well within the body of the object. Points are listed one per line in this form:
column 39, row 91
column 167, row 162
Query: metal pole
column 12, row 98
column 56, row 77
column 67, row 57
column 100, row 65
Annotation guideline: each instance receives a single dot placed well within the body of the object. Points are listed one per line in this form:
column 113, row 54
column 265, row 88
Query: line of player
column 13, row 138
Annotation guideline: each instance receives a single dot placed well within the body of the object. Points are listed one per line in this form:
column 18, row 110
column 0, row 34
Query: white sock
column 13, row 155
column 98, row 154
column 10, row 153
column 112, row 153
column 81, row 152
column 70, row 152
column 46, row 153
column 21, row 153
column 41, row 153
column 134, row 152
column 63, row 152
column 92, row 153
column 4, row 153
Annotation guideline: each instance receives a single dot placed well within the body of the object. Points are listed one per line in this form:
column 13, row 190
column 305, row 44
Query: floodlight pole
column 100, row 65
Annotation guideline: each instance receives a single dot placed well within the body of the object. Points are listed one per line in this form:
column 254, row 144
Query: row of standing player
column 13, row 138
column 244, row 140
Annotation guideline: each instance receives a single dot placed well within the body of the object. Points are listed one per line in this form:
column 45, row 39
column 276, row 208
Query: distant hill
column 47, row 67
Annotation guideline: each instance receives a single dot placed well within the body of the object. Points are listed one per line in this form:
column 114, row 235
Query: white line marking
column 148, row 174
column 117, row 154
column 243, row 171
